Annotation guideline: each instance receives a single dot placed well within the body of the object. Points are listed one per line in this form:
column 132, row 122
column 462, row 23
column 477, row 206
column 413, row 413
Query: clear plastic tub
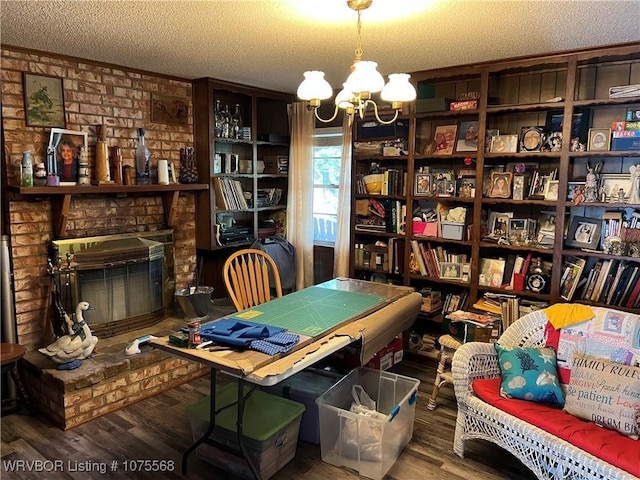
column 366, row 444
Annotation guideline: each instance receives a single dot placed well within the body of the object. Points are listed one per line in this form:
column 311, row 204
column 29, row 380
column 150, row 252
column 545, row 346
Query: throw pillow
column 605, row 393
column 529, row 374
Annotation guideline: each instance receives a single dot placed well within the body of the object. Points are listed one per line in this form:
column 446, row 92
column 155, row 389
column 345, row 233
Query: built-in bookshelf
column 502, row 164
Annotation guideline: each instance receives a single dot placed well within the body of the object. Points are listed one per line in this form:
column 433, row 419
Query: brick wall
column 94, row 94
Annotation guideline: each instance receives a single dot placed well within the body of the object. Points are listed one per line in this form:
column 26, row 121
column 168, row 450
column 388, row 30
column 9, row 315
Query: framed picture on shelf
column 499, row 224
column 539, row 183
column 43, row 101
column 584, row 232
column 489, row 133
column 467, row 187
column 445, row 138
column 531, row 139
column 574, row 188
column 599, row 139
column 573, row 267
column 443, row 183
column 468, row 137
column 422, row 184
column 615, row 186
column 451, row 271
column 579, row 123
column 500, row 185
column 551, row 190
column 546, row 227
column 504, row 144
column 519, row 186
column 491, row 272
column 67, row 145
column 518, row 231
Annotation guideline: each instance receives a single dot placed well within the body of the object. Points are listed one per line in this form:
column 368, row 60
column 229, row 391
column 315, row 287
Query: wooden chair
column 246, row 276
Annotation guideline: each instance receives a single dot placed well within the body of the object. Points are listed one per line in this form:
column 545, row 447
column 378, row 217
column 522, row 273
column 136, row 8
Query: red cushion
column 608, row 445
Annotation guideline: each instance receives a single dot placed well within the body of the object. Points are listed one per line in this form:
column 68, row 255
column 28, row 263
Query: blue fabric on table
column 236, row 333
column 279, row 343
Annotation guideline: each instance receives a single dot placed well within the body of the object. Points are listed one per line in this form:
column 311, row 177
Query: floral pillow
column 530, row 374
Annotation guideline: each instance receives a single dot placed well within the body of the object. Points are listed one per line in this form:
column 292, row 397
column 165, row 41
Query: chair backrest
column 246, row 276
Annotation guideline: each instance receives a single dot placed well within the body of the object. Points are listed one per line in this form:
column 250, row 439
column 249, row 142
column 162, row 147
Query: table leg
column 239, row 421
column 212, row 421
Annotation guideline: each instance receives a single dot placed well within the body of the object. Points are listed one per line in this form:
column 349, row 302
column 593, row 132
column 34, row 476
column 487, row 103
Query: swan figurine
column 68, row 350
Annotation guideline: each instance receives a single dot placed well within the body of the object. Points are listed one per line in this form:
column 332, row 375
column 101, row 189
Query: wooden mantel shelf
column 61, row 198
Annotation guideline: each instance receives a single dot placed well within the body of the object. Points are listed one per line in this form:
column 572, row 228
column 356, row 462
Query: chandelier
column 361, row 83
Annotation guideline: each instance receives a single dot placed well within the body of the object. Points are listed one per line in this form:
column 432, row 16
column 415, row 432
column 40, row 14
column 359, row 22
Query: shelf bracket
column 60, row 205
column 170, row 202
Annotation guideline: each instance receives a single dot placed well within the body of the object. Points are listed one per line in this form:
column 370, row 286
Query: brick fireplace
column 119, row 98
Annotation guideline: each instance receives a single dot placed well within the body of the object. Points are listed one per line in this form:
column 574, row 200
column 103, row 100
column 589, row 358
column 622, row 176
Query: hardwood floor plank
column 158, row 429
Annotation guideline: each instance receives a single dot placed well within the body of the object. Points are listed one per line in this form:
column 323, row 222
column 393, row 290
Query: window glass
column 327, row 155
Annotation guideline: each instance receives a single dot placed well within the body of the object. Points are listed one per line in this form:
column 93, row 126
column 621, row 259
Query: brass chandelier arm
column 315, row 111
column 362, row 109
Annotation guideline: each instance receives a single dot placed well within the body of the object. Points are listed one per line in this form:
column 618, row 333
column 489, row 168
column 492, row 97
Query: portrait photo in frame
column 551, row 190
column 422, row 184
column 584, row 232
column 445, row 138
column 519, row 185
column 615, row 186
column 504, row 144
column 499, row 224
column 467, row 137
column 451, row 271
column 66, row 145
column 43, row 101
column 599, row 139
column 500, row 185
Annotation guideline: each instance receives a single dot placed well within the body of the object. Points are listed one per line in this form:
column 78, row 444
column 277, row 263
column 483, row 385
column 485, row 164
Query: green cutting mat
column 311, row 311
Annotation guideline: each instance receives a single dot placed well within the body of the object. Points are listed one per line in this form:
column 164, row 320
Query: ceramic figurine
column 591, row 184
column 634, row 193
column 68, row 350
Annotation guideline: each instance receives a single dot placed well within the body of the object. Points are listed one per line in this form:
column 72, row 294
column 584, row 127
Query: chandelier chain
column 359, row 40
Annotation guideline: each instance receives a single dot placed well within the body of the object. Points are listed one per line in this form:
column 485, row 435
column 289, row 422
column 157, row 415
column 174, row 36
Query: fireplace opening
column 128, row 278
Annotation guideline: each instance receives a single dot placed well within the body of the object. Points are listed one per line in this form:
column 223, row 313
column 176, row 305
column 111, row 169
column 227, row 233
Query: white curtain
column 300, row 195
column 343, row 235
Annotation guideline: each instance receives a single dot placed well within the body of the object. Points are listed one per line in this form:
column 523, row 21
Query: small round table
column 10, row 353
column 448, row 346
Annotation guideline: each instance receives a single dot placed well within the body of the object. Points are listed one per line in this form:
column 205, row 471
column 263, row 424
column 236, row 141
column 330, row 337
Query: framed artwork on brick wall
column 43, row 101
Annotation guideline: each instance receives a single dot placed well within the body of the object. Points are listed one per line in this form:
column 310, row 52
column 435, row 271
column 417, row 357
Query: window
column 327, row 156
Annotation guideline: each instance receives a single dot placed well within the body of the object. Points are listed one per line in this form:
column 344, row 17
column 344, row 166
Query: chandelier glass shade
column 363, row 80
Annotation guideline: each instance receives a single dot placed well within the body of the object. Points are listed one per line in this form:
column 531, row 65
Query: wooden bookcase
column 265, row 112
column 512, row 94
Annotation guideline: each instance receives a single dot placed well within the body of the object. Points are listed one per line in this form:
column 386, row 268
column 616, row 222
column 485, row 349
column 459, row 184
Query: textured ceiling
column 270, row 43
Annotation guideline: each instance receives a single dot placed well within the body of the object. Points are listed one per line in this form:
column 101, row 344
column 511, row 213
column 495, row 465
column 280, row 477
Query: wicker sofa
column 546, row 455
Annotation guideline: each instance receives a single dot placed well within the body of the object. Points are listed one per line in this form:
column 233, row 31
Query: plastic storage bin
column 369, row 445
column 270, row 431
column 305, row 387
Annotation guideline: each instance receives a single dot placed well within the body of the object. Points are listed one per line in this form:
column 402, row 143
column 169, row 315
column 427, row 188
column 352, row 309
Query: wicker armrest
column 473, row 360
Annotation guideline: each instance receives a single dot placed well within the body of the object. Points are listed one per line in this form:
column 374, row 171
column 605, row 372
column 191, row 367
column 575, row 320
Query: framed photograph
column 579, row 123
column 570, row 277
column 169, row 109
column 551, row 190
column 445, row 138
column 531, row 139
column 489, row 133
column 468, row 137
column 491, row 272
column 452, row 271
column 66, row 146
column 584, row 232
column 422, row 184
column 518, row 231
column 615, row 186
column 499, row 224
column 546, row 228
column 539, row 183
column 467, row 187
column 599, row 139
column 553, row 142
column 500, row 185
column 504, row 144
column 573, row 189
column 43, row 101
column 443, row 182
column 519, row 186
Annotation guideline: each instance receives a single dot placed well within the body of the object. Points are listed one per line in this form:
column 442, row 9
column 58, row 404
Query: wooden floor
column 158, row 429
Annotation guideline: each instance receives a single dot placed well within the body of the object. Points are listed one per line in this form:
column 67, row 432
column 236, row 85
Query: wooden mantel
column 61, row 198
